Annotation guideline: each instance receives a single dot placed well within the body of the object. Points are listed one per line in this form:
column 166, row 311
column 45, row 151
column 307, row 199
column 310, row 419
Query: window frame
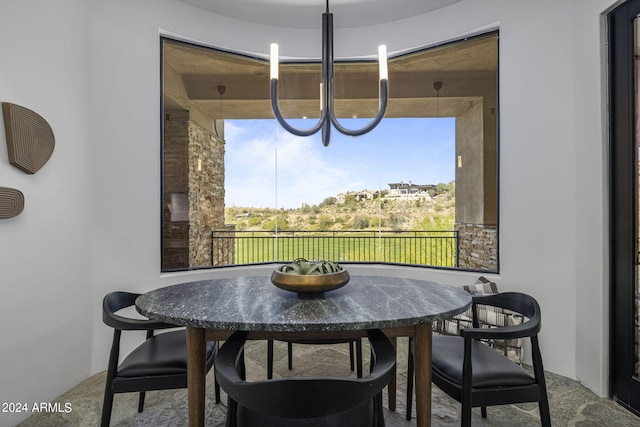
column 495, row 33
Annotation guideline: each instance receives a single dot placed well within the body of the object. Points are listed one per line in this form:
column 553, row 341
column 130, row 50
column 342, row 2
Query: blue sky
column 421, row 150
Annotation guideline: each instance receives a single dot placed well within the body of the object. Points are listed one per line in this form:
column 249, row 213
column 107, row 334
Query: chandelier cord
column 221, row 90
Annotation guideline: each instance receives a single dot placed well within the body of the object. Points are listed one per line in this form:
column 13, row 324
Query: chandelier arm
column 382, row 108
column 284, row 123
column 326, row 133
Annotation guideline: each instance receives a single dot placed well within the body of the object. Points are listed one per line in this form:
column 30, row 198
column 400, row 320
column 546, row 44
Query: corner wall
column 45, row 308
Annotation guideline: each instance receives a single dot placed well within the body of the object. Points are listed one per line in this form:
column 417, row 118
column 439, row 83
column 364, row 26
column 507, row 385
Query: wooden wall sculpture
column 30, row 140
column 11, row 202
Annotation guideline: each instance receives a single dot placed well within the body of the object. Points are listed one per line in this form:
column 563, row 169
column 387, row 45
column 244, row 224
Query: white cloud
column 305, row 175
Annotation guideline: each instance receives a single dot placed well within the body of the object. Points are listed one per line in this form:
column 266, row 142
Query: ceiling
column 192, row 76
column 306, row 13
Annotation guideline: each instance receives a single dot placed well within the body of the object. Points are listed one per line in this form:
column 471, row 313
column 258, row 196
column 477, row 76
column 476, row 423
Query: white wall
column 590, row 189
column 92, row 221
column 44, row 262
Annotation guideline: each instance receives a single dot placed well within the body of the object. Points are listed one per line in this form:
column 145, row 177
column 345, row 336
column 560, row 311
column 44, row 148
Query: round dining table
column 212, row 309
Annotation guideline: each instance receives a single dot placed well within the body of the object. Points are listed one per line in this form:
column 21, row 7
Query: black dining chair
column 355, row 353
column 476, row 375
column 159, row 363
column 305, row 401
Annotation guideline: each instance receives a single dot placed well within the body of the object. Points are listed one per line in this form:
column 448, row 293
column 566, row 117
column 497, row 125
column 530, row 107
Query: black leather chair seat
column 490, row 368
column 162, row 354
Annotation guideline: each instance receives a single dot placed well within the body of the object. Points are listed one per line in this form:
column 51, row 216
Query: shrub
column 375, row 222
column 395, row 222
column 325, row 222
column 270, row 225
column 329, row 201
column 438, row 222
column 254, row 220
column 359, row 222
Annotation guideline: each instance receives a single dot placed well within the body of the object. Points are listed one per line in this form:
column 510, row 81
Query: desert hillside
column 430, row 213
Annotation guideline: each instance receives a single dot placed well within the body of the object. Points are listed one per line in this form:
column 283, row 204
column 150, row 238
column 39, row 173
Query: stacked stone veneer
column 175, row 234
column 194, row 166
column 477, row 247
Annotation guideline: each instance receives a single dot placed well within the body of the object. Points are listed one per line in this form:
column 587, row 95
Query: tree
column 329, row 201
column 448, row 189
column 350, row 200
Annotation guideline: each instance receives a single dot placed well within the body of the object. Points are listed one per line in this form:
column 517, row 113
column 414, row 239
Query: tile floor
column 571, row 403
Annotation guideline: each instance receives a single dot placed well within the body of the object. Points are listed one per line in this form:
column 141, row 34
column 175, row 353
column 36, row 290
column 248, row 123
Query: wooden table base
column 422, row 364
column 196, row 375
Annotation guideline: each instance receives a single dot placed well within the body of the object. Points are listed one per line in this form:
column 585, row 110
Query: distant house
column 409, row 190
column 358, row 195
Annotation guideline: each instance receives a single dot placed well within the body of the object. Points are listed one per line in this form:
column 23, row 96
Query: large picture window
column 420, row 189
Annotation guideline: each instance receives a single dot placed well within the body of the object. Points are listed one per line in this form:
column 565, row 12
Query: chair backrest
column 516, row 302
column 115, row 301
column 303, row 397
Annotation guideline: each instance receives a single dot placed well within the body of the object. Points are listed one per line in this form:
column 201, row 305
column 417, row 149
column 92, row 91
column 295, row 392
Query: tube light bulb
column 274, row 61
column 382, row 61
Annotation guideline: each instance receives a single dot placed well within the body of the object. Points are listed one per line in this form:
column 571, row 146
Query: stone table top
column 253, row 303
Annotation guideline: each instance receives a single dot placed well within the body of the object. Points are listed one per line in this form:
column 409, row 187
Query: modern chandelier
column 327, row 115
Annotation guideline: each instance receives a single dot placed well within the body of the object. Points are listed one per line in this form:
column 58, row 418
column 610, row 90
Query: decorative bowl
column 310, row 283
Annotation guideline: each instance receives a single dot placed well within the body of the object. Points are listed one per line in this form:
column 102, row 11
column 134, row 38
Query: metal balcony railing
column 435, row 248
